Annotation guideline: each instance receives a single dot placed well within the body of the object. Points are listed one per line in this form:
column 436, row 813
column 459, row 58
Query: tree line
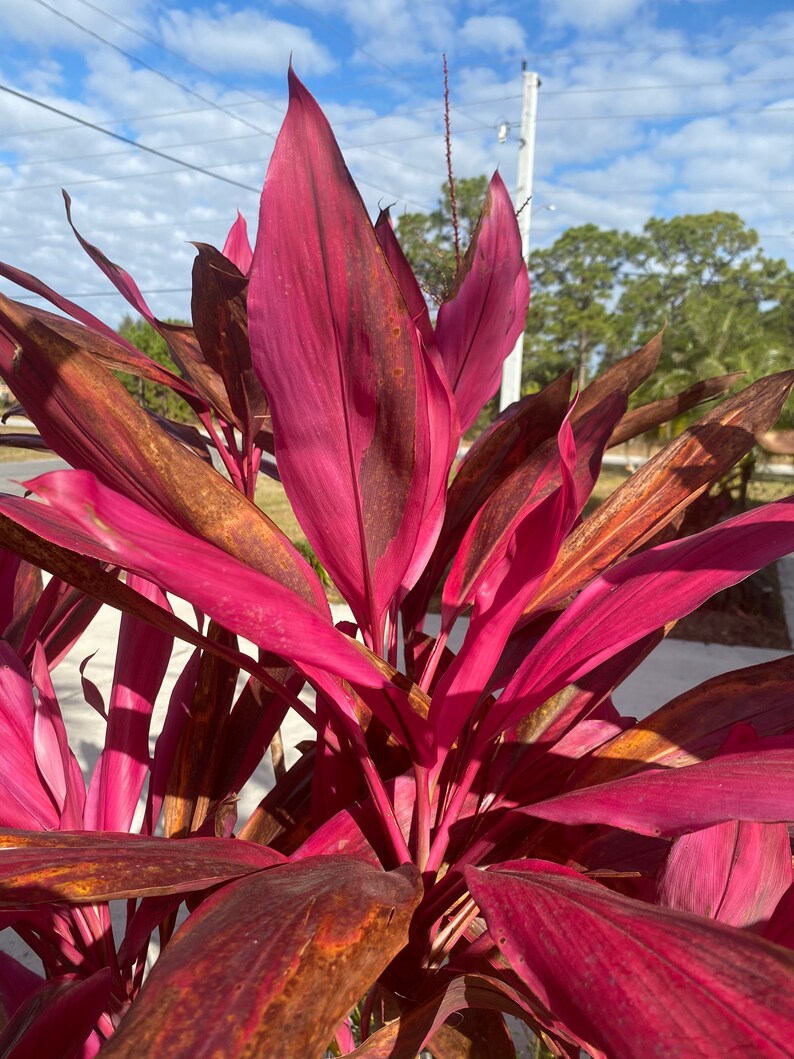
column 598, row 293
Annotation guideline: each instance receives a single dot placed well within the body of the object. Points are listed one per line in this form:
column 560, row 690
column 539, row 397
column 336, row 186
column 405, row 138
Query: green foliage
column 151, row 395
column 428, row 238
column 598, row 293
column 719, row 293
column 571, row 320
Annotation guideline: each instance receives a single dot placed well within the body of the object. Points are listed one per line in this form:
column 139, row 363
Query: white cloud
column 42, row 28
column 591, row 14
column 493, row 33
column 243, row 40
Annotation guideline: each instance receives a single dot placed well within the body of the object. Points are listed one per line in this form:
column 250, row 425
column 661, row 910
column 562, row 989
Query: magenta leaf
column 121, row 280
column 735, row 872
column 694, row 726
column 754, row 784
column 406, row 280
column 321, row 931
column 17, row 982
column 509, row 576
column 142, row 659
column 640, row 595
column 91, row 421
column 339, row 357
column 56, row 1020
column 237, row 246
column 25, row 802
column 479, row 323
column 415, row 1029
column 117, row 530
column 633, row 979
column 84, row 867
column 56, row 763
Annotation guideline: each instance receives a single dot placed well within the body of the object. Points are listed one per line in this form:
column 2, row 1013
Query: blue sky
column 645, row 109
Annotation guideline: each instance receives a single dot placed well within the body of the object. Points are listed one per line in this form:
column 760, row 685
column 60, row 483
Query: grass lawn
column 270, row 496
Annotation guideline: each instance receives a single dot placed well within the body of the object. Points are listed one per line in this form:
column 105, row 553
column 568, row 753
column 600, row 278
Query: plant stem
column 422, row 805
column 228, row 462
column 433, row 660
column 450, row 175
column 441, row 840
column 381, row 798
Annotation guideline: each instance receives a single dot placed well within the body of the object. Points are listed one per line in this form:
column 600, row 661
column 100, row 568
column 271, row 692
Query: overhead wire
column 153, row 69
column 172, row 80
column 126, row 139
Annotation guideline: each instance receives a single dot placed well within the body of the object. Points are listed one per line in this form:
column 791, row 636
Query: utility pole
column 511, row 369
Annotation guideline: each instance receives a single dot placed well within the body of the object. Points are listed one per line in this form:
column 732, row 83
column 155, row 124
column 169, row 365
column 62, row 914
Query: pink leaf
column 633, row 979
column 479, row 323
column 640, row 595
column 23, row 800
column 406, row 281
column 84, row 867
column 142, row 659
column 237, row 246
column 241, row 599
column 57, row 1019
column 510, row 575
column 735, row 872
column 121, row 280
column 755, row 784
column 339, row 357
column 56, row 762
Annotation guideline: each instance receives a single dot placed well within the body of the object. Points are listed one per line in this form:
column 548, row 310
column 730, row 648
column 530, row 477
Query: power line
column 739, row 81
column 171, row 80
column 123, row 154
column 126, row 139
column 184, row 223
column 153, row 69
column 273, row 104
column 104, row 294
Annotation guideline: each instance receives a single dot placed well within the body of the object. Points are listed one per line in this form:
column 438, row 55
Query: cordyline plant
column 467, row 835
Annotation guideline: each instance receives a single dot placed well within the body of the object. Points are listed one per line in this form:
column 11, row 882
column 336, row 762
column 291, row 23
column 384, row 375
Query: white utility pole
column 511, row 370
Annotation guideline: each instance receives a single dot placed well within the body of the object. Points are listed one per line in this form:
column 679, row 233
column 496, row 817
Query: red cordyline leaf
column 84, row 867
column 406, row 280
column 754, row 784
column 56, row 763
column 142, row 658
column 237, row 246
column 633, row 979
column 90, row 420
column 24, row 801
column 410, row 1033
column 641, row 595
column 479, row 323
column 501, row 449
column 735, row 872
column 17, row 982
column 695, row 725
column 502, row 593
column 320, row 934
column 339, row 357
column 249, row 603
column 62, row 615
column 57, row 1019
